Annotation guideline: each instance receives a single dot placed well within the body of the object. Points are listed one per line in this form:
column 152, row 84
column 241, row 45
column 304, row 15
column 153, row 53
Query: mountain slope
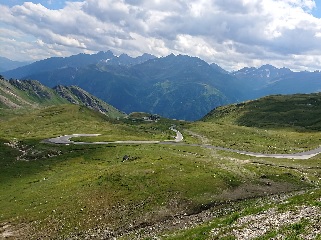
column 18, row 94
column 298, row 111
column 185, row 87
column 76, row 95
column 37, row 92
column 10, row 97
column 15, row 94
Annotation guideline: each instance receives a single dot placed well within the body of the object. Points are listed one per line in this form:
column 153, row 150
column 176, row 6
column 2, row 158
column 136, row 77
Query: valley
column 160, row 120
column 76, row 167
column 181, row 190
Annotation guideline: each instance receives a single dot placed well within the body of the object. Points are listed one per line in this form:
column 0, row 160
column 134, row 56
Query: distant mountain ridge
column 262, row 75
column 268, row 80
column 75, row 61
column 180, row 87
column 16, row 94
column 7, row 64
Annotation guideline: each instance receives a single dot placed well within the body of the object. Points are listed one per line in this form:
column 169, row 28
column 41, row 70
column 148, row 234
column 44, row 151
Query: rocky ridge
column 76, row 95
column 15, row 94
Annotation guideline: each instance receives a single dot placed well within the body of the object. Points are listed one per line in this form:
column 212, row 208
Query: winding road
column 66, row 139
column 178, row 141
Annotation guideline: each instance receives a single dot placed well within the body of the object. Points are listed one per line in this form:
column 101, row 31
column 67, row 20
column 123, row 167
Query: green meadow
column 52, row 191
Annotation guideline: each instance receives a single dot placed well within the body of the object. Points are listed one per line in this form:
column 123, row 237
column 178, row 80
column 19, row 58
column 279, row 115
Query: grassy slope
column 274, row 124
column 54, row 190
column 296, row 112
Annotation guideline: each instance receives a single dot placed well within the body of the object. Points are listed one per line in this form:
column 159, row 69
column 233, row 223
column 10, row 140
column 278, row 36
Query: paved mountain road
column 66, row 139
column 178, row 140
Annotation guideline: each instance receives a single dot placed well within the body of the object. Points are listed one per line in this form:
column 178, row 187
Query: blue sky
column 52, row 4
column 231, row 33
column 317, row 10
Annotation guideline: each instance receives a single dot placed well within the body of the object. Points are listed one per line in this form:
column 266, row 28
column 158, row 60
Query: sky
column 231, row 33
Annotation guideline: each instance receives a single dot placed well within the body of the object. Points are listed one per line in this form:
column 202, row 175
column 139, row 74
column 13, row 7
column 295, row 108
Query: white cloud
column 305, row 4
column 232, row 33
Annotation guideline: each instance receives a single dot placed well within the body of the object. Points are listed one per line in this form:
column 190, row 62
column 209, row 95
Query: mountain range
column 268, row 80
column 180, row 87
